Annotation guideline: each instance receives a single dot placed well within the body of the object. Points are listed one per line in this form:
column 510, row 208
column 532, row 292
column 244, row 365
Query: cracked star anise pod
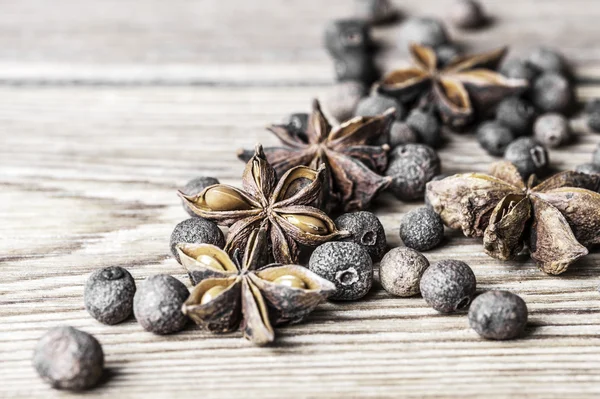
column 467, row 84
column 229, row 295
column 558, row 219
column 280, row 207
column 353, row 165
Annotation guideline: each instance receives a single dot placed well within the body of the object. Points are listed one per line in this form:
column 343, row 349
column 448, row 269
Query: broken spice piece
column 557, row 218
column 231, row 294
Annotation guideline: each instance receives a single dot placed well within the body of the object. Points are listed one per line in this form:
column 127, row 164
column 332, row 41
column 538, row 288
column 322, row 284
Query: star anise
column 282, row 209
column 352, row 164
column 228, row 293
column 557, row 218
column 457, row 89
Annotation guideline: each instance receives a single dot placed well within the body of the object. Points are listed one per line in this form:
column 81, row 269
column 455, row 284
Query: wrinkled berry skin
column 400, row 271
column 366, row 230
column 108, row 295
column 592, row 115
column 342, row 99
column 498, row 315
column 347, row 265
column 377, row 104
column 552, row 92
column 68, row 358
column 588, row 168
column 196, row 186
column 548, row 60
column 519, row 69
column 467, row 14
column 427, row 31
column 157, row 304
column 527, row 155
column 358, row 67
column 421, row 229
column 411, row 167
column 196, row 231
column 494, row 137
column 516, row 114
column 448, row 285
column 427, row 126
column 347, row 35
column 552, row 130
column 400, row 133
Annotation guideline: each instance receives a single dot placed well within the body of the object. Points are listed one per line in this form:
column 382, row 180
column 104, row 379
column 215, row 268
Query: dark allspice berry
column 427, row 31
column 448, row 285
column 552, row 92
column 196, row 186
column 498, row 315
column 342, row 99
column 548, row 60
column 347, row 35
column 592, row 115
column 356, row 66
column 67, row 358
column 401, row 133
column 494, row 137
column 527, row 155
column 517, row 114
column 411, row 167
column 366, row 230
column 400, row 271
column 108, row 295
column 588, row 168
column 375, row 12
column 377, row 104
column 297, row 122
column 552, row 130
column 421, row 229
column 347, row 265
column 519, row 69
column 467, row 14
column 427, row 126
column 196, row 230
column 157, row 304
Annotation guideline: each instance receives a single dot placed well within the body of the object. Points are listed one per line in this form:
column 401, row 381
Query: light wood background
column 106, row 107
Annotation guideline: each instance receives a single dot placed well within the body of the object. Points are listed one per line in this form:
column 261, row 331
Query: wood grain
column 107, row 107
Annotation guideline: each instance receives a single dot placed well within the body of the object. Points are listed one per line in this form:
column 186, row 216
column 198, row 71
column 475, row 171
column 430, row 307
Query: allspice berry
column 343, row 98
column 376, row 12
column 366, row 230
column 401, row 133
column 108, row 295
column 411, row 166
column 498, row 315
column 157, row 304
column 519, row 69
column 347, row 265
column 377, row 104
column 527, row 155
column 552, row 130
column 552, row 92
column 516, row 114
column 591, row 113
column 67, row 358
column 421, row 229
column 196, row 231
column 343, row 36
column 548, row 60
column 298, row 122
column 494, row 137
column 196, row 186
column 427, row 127
column 356, row 66
column 427, row 31
column 400, row 271
column 467, row 14
column 448, row 285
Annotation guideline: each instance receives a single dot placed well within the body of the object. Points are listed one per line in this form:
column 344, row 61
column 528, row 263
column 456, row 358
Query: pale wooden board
column 88, row 177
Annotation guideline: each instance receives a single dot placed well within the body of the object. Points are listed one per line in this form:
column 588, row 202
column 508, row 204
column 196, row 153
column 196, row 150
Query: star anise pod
column 457, row 89
column 558, row 218
column 281, row 208
column 352, row 164
column 228, row 293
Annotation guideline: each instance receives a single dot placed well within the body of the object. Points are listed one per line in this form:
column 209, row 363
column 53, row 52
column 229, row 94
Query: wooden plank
column 88, row 178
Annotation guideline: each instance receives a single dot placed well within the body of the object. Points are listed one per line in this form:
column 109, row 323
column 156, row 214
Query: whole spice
column 196, row 230
column 556, row 218
column 356, row 66
column 519, row 69
column 446, row 54
column 592, row 115
column 498, row 315
column 467, row 14
column 400, row 271
column 281, row 208
column 411, row 167
column 249, row 295
column 456, row 89
column 195, row 186
column 427, row 127
column 376, row 104
column 548, row 60
column 296, row 122
column 157, row 304
column 376, row 12
column 352, row 180
column 345, row 36
column 108, row 295
column 347, row 265
column 67, row 358
column 421, row 229
column 365, row 229
column 517, row 114
column 448, row 285
column 552, row 130
column 527, row 155
column 401, row 133
column 494, row 137
column 424, row 31
column 552, row 92
column 343, row 98
column 589, row 168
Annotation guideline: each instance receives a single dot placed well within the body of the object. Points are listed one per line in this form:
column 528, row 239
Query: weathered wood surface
column 88, row 171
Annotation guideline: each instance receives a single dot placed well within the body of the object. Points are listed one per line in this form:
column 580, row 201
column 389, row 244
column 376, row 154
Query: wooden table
column 108, row 106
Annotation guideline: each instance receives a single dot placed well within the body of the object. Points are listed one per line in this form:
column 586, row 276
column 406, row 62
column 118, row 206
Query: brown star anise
column 228, row 293
column 457, row 89
column 557, row 218
column 352, row 164
column 282, row 209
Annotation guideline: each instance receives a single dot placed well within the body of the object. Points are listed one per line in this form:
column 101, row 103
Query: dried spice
column 527, row 155
column 108, row 295
column 365, row 229
column 498, row 315
column 467, row 14
column 552, row 92
column 352, row 164
column 195, row 186
column 557, row 218
column 494, row 137
column 552, row 130
column 230, row 294
column 196, row 230
column 456, row 89
column 448, row 285
column 425, row 31
column 517, row 114
column 421, row 229
column 588, row 168
column 400, row 271
column 280, row 207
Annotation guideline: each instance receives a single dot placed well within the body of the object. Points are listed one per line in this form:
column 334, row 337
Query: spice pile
column 284, row 254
